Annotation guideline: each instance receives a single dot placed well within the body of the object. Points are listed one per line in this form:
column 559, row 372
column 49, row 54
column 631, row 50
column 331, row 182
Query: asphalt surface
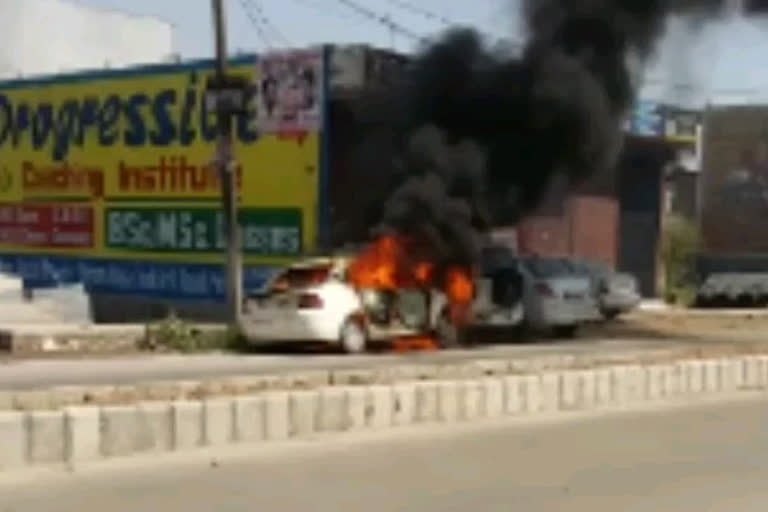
column 16, row 374
column 701, row 458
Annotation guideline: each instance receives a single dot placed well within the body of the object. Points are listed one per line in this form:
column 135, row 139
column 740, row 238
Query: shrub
column 176, row 335
column 680, row 244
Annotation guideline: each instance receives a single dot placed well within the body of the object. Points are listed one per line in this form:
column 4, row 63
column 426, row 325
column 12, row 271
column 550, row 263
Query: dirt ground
column 704, row 325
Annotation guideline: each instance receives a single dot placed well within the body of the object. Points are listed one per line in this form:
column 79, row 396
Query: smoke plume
column 480, row 135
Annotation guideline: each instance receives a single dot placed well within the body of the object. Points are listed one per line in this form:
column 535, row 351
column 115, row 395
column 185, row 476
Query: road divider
column 59, row 397
column 75, row 435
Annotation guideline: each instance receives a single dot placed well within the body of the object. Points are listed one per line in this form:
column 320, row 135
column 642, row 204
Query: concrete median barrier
column 60, row 397
column 80, row 434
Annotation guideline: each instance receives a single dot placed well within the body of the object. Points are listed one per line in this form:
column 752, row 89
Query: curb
column 77, row 435
column 102, row 395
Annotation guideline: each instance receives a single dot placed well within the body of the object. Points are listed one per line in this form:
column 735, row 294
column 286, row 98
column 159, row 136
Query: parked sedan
column 313, row 300
column 616, row 292
column 556, row 298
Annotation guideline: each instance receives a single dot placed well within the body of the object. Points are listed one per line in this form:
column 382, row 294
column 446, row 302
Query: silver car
column 556, row 299
column 616, row 292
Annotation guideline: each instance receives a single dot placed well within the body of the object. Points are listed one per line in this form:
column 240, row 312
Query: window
column 543, row 268
column 301, row 277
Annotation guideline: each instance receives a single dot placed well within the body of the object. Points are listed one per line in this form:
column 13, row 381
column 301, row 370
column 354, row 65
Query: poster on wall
column 290, row 92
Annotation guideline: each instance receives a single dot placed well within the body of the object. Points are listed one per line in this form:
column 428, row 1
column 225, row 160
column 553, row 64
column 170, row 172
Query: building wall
column 682, row 194
column 594, row 228
column 586, row 229
column 734, row 188
column 543, row 236
column 54, row 36
column 640, row 199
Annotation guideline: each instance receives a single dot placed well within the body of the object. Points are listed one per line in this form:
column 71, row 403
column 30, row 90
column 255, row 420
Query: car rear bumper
column 501, row 317
column 619, row 301
column 261, row 328
column 555, row 313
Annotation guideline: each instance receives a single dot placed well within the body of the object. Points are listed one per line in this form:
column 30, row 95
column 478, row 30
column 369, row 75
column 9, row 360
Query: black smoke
column 479, row 135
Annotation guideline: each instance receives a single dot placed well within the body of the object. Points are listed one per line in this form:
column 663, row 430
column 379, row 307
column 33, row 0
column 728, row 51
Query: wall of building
column 54, row 36
column 586, row 229
column 640, row 199
column 734, row 188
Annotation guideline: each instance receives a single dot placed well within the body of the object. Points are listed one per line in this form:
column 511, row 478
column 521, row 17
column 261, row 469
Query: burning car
column 389, row 290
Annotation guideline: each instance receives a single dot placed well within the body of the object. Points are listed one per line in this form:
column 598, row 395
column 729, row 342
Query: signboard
column 646, row 119
column 652, row 119
column 682, row 125
column 106, row 178
column 290, row 92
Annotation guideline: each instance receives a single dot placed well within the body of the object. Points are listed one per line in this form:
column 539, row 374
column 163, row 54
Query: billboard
column 107, row 178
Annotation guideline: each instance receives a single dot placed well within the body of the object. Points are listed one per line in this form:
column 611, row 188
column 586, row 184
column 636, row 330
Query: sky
column 720, row 62
column 303, row 22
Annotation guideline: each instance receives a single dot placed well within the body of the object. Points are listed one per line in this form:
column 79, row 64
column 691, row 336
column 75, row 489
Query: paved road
column 25, row 374
column 708, row 458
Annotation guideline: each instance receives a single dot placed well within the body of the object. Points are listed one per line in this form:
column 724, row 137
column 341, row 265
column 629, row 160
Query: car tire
column 352, row 337
column 610, row 314
column 565, row 331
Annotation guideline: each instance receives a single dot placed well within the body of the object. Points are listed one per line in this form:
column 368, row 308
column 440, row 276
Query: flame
column 391, row 263
column 458, row 285
column 414, row 343
column 395, row 262
column 460, row 290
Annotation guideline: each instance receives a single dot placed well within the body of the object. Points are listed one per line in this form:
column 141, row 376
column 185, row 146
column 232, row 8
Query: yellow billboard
column 117, row 166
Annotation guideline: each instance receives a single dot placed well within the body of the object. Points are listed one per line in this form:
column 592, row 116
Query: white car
column 313, row 301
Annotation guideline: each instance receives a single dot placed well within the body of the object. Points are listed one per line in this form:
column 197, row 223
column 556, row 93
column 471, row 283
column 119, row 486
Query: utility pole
column 227, row 176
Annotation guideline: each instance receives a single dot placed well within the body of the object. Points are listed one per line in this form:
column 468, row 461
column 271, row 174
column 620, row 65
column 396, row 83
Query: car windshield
column 582, row 267
column 495, row 258
column 597, row 268
column 547, row 267
column 301, row 277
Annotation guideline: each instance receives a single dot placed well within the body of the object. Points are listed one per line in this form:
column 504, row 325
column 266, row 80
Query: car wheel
column 353, row 339
column 565, row 331
column 610, row 314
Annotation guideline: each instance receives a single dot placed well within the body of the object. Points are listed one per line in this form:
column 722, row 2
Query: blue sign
column 647, row 119
column 152, row 280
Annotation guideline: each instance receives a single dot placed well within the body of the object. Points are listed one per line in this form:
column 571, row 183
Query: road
column 704, row 457
column 35, row 373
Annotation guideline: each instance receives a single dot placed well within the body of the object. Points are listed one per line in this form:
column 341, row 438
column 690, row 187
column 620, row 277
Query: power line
column 260, row 30
column 325, row 9
column 266, row 22
column 425, row 13
column 382, row 20
column 263, row 25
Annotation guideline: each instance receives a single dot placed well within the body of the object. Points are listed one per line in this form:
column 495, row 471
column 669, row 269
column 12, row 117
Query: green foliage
column 173, row 334
column 680, row 244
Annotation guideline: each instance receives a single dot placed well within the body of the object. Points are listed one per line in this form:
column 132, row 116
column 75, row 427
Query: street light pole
column 227, row 176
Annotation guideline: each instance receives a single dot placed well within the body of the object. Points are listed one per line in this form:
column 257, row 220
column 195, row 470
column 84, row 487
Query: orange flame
column 415, row 344
column 390, row 263
column 460, row 290
column 396, row 262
